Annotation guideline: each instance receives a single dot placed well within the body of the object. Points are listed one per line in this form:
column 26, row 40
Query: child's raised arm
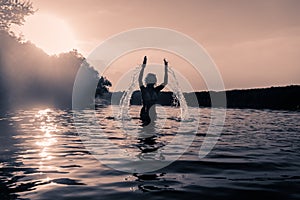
column 166, row 73
column 142, row 71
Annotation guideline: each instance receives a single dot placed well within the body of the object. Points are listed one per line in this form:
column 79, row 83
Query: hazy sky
column 254, row 43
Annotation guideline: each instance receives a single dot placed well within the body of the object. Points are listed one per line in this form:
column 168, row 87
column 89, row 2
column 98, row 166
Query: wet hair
column 150, row 79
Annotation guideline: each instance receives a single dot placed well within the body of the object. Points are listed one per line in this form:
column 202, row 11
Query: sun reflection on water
column 48, row 129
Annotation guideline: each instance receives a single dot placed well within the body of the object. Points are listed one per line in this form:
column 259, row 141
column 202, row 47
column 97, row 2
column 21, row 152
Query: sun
column 49, row 33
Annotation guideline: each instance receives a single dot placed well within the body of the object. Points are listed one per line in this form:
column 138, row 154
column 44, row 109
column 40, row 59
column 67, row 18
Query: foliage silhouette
column 14, row 12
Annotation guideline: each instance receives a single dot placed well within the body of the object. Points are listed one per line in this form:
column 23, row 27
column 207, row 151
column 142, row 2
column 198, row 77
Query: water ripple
column 42, row 157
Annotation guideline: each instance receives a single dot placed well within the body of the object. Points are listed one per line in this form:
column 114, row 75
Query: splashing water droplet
column 125, row 100
column 178, row 95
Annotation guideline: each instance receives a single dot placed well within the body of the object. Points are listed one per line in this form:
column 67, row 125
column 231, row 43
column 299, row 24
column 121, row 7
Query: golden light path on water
column 49, row 143
column 47, row 140
column 44, row 141
column 40, row 134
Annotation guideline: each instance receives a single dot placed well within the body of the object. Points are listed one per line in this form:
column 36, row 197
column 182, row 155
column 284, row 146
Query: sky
column 253, row 43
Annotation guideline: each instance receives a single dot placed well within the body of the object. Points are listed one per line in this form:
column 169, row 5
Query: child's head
column 150, row 79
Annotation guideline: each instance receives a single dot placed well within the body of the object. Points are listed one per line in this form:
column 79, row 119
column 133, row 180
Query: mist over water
column 31, row 78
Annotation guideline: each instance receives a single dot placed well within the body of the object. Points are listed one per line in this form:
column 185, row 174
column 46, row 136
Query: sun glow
column 49, row 33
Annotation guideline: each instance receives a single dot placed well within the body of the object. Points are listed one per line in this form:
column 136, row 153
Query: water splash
column 178, row 95
column 125, row 100
column 173, row 85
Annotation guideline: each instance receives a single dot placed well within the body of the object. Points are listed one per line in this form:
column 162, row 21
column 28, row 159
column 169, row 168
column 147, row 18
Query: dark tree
column 14, row 12
column 102, row 86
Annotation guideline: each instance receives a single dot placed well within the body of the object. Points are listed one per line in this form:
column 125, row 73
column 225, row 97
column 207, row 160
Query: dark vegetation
column 287, row 98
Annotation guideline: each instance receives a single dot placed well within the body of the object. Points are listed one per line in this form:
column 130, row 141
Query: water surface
column 43, row 157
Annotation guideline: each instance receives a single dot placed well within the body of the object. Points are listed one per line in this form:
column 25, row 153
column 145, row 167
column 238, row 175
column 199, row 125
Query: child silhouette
column 150, row 93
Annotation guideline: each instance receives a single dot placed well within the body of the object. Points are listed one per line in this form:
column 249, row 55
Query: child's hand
column 166, row 62
column 145, row 61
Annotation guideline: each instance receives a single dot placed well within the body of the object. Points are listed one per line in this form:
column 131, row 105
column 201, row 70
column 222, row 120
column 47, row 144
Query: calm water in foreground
column 43, row 157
